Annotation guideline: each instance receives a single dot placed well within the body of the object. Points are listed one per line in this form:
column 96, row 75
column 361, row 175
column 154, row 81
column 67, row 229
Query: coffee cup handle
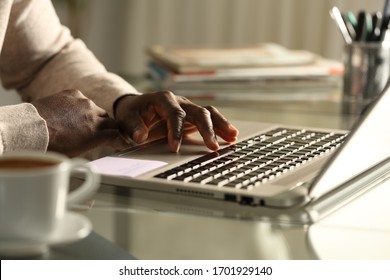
column 88, row 187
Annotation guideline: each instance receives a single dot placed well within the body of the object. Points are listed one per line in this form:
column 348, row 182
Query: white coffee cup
column 34, row 193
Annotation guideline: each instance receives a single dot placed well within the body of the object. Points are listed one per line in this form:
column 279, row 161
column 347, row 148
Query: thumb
column 134, row 129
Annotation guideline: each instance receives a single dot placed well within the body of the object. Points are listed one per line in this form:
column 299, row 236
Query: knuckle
column 204, row 111
column 178, row 112
column 185, row 100
column 87, row 104
column 166, row 94
column 211, row 109
column 74, row 92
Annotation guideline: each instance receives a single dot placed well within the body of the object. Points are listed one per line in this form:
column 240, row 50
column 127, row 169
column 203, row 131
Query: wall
column 120, row 32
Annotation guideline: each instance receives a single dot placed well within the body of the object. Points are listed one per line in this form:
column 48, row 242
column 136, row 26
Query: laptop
column 291, row 173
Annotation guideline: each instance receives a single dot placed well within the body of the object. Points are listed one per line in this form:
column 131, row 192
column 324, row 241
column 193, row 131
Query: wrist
column 118, row 100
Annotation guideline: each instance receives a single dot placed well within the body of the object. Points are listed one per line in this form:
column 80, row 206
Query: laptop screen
column 367, row 145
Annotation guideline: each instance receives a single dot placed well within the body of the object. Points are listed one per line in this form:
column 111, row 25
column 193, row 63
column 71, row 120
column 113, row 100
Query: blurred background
column 119, row 31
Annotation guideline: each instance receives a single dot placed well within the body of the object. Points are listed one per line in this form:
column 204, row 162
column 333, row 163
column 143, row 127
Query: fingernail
column 216, row 143
column 232, row 127
column 176, row 145
column 139, row 136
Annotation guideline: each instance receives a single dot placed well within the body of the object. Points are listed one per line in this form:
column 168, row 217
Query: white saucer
column 72, row 228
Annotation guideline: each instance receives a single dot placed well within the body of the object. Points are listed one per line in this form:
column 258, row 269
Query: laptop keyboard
column 252, row 162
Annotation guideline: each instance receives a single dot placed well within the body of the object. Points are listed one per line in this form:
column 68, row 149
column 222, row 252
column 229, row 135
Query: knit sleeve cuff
column 22, row 128
column 114, row 105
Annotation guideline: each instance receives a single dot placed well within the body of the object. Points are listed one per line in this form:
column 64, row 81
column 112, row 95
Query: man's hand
column 142, row 117
column 76, row 124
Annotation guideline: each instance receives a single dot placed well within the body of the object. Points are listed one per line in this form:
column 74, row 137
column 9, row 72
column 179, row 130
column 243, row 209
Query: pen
column 385, row 23
column 364, row 26
column 338, row 18
column 377, row 20
column 352, row 19
column 350, row 27
column 386, row 8
column 385, row 34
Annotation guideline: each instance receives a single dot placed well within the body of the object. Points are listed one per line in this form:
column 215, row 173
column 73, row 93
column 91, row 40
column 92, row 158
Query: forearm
column 76, row 67
column 40, row 58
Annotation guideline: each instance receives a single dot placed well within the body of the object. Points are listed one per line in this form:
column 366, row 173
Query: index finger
column 169, row 109
column 222, row 127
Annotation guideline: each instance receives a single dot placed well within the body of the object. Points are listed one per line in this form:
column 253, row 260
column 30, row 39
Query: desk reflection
column 144, row 226
column 149, row 230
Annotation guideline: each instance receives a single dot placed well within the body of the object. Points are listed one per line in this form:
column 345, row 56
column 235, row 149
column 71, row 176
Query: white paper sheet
column 124, row 166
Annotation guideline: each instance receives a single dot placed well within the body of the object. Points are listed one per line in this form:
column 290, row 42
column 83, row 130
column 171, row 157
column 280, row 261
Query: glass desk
column 151, row 225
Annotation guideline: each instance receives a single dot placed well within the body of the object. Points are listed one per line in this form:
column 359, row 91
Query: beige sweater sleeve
column 21, row 128
column 39, row 57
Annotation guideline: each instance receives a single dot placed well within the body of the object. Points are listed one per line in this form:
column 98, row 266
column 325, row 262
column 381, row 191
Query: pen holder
column 367, row 70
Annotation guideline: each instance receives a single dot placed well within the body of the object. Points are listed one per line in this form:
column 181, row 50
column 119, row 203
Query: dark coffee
column 25, row 163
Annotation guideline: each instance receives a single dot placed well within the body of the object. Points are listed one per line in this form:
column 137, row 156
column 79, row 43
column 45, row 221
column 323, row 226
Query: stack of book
column 239, row 72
